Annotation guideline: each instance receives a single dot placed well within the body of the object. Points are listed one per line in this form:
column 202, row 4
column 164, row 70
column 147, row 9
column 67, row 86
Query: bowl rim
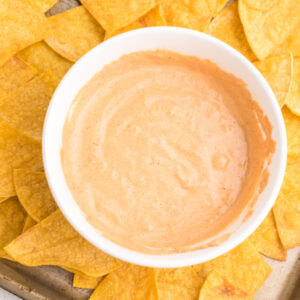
column 163, row 260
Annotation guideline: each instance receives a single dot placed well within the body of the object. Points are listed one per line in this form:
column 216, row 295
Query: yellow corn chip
column 43, row 58
column 267, row 29
column 291, row 44
column 16, row 151
column 14, row 73
column 243, row 266
column 152, row 18
column 45, row 4
column 278, row 72
column 29, row 222
column 22, row 23
column 3, row 199
column 34, row 194
column 130, row 282
column 53, row 241
column 84, row 282
column 26, row 107
column 73, row 33
column 266, row 239
column 293, row 98
column 12, row 219
column 112, row 14
column 177, row 284
column 216, row 287
column 227, row 27
column 262, row 5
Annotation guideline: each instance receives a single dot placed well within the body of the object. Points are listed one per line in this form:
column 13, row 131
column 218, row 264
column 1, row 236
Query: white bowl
column 183, row 41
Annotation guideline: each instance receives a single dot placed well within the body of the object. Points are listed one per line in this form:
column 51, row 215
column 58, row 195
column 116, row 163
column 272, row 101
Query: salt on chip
column 22, row 23
column 243, row 267
column 16, row 151
column 73, row 33
column 85, row 282
column 53, row 241
column 130, row 282
column 29, row 222
column 25, row 108
column 278, row 71
column 293, row 99
column 43, row 58
column 267, row 29
column 34, row 194
column 217, row 287
column 227, row 27
column 177, row 284
column 152, row 18
column 113, row 15
column 266, row 239
column 14, row 73
column 12, row 219
column 45, row 4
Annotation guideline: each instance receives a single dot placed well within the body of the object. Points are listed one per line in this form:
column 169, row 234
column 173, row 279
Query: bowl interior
column 187, row 42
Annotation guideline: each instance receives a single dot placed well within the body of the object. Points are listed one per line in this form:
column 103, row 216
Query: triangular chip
column 113, row 14
column 29, row 222
column 268, row 28
column 43, row 58
column 217, row 287
column 85, row 282
column 16, row 151
column 14, row 73
column 130, row 282
column 152, row 18
column 74, row 32
column 53, row 241
column 227, row 27
column 177, row 284
column 278, row 71
column 26, row 107
column 34, row 194
column 22, row 23
column 243, row 266
column 266, row 239
column 45, row 4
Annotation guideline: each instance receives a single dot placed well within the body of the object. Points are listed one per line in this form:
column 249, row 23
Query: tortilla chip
column 53, row 241
column 16, row 151
column 45, row 4
column 84, row 282
column 293, row 98
column 227, row 27
column 243, row 267
column 130, row 282
column 152, row 18
column 22, row 23
column 14, row 73
column 287, row 206
column 34, row 194
column 29, row 222
column 12, row 219
column 278, row 72
column 73, row 33
column 291, row 44
column 177, row 284
column 112, row 14
column 43, row 58
column 26, row 107
column 3, row 199
column 267, row 29
column 266, row 239
column 217, row 287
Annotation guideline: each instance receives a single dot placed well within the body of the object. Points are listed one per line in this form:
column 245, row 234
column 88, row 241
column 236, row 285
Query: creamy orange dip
column 162, row 151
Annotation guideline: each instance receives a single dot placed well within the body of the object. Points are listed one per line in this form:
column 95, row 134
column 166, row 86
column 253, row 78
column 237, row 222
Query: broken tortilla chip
column 266, row 29
column 130, row 282
column 278, row 71
column 266, row 239
column 29, row 222
column 16, row 151
column 53, row 241
column 113, row 15
column 25, row 108
column 73, row 33
column 43, row 58
column 85, row 282
column 34, row 194
column 227, row 27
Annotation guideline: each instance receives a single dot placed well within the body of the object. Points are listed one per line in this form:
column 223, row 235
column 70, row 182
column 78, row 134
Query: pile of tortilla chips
column 36, row 51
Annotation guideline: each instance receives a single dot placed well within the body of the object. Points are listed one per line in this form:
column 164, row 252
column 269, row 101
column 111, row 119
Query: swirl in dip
column 163, row 151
